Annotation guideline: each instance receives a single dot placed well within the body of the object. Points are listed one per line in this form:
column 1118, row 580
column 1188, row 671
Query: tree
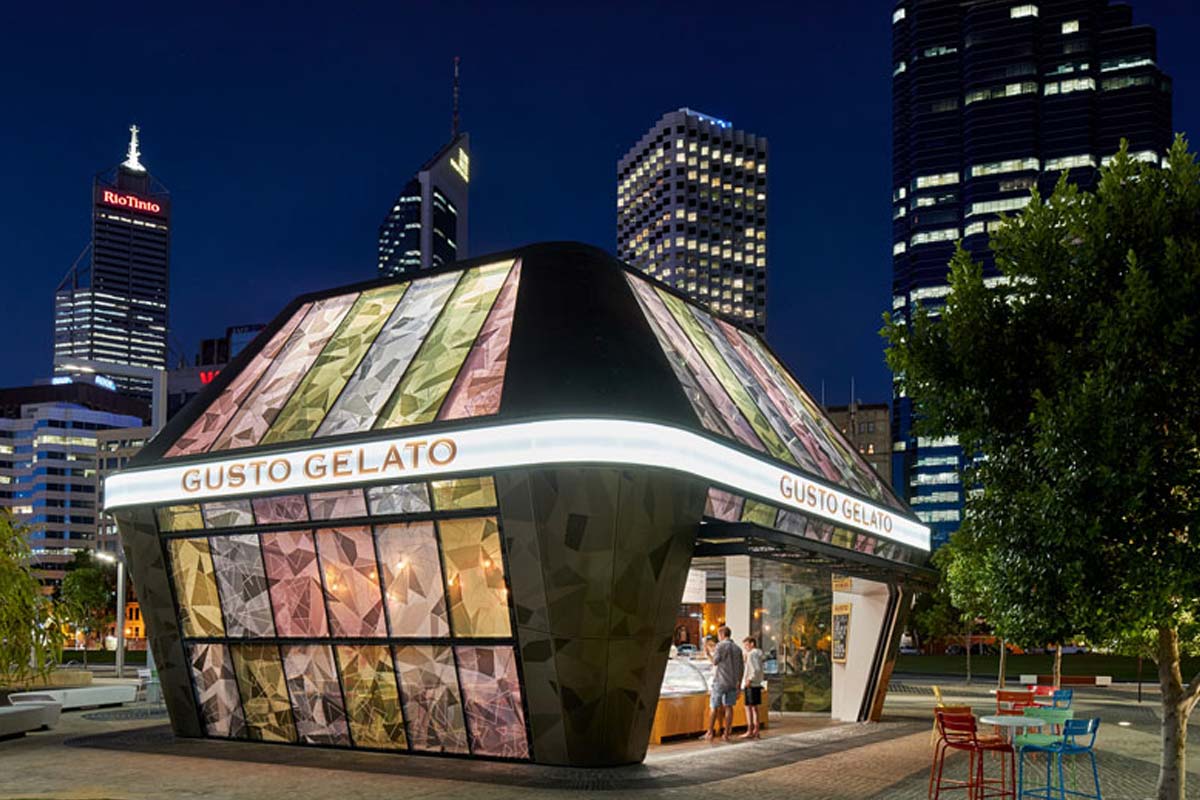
column 87, row 601
column 1076, row 381
column 29, row 644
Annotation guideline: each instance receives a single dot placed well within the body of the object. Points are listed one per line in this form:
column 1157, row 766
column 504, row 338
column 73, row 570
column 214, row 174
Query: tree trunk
column 968, row 641
column 1057, row 678
column 1003, row 660
column 1177, row 704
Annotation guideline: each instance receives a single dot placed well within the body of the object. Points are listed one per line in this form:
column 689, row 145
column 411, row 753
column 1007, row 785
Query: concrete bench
column 17, row 720
column 108, row 694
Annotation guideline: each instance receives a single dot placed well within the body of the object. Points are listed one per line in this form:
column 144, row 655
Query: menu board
column 840, row 634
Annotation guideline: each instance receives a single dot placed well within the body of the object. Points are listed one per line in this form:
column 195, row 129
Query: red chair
column 957, row 731
column 1042, row 695
column 1013, row 703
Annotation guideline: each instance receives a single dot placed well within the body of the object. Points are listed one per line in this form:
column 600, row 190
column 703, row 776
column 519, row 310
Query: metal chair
column 1079, row 738
column 957, row 731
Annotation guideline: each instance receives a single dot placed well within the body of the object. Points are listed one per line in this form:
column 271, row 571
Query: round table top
column 1013, row 721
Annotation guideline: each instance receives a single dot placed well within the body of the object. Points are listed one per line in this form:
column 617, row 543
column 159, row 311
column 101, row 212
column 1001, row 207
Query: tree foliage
column 87, row 601
column 29, row 642
column 1075, row 378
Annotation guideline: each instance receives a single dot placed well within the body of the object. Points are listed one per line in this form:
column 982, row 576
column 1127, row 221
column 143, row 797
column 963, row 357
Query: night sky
column 284, row 132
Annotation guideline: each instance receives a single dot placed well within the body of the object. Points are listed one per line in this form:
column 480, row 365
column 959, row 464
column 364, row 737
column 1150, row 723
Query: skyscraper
column 112, row 305
column 989, row 100
column 426, row 226
column 692, row 212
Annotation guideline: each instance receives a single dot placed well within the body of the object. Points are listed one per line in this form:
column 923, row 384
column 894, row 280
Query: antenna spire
column 134, row 154
column 454, row 122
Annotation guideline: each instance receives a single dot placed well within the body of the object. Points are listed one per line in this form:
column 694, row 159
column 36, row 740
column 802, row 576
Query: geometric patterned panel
column 264, row 692
column 372, row 700
column 291, row 559
column 432, row 706
column 429, row 377
column 723, row 505
column 243, row 584
column 228, row 514
column 480, row 382
column 351, row 582
column 317, row 705
column 286, row 508
column 195, row 587
column 337, row 504
column 204, row 431
column 412, row 579
column 492, row 694
column 477, row 491
column 217, row 691
column 475, row 576
column 743, row 388
column 172, row 519
column 401, row 498
column 328, row 376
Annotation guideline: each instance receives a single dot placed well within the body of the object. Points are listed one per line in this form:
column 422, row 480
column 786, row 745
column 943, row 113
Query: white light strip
column 523, row 444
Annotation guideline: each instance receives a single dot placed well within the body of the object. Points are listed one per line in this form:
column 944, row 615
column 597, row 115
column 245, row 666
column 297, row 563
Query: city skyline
column 278, row 180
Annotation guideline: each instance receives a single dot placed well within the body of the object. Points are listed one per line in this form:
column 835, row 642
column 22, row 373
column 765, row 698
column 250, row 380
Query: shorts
column 727, row 697
column 753, row 695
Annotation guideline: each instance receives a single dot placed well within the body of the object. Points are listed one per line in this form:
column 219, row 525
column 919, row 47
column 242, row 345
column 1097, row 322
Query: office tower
column 868, row 427
column 991, row 99
column 692, row 212
column 188, row 380
column 48, row 440
column 112, row 305
column 426, row 226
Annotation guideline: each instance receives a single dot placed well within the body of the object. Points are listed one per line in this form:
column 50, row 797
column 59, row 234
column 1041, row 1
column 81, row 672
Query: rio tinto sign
column 129, row 201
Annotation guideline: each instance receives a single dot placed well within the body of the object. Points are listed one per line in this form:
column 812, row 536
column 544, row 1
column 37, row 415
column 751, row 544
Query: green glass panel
column 179, row 518
column 263, row 685
column 759, row 513
column 474, row 492
column 372, row 697
column 716, row 363
column 424, row 386
column 317, row 392
column 474, row 570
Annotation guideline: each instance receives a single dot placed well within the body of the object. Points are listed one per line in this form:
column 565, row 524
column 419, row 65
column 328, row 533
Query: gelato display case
column 683, row 701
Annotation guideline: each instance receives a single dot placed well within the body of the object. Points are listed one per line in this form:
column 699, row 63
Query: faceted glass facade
column 370, row 622
column 403, row 354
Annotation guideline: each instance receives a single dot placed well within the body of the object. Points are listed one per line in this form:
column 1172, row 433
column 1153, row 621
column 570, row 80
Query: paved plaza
column 130, row 753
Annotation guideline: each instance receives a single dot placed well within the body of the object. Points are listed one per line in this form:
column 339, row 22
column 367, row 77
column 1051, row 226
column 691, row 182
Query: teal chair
column 1062, row 698
column 1078, row 738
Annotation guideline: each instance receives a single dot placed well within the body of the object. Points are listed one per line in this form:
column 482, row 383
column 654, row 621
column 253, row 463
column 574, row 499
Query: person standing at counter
column 727, row 677
column 752, row 681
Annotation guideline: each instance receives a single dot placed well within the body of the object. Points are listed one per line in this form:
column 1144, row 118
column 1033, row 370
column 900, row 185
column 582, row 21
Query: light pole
column 120, row 659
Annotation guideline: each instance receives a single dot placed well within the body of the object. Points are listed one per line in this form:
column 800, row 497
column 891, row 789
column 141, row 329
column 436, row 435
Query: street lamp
column 120, row 619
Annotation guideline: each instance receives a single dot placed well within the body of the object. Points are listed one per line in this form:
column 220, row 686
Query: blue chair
column 1062, row 698
column 1078, row 738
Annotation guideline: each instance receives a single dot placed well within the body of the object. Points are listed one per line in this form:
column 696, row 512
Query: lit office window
column 1070, row 26
column 1027, row 10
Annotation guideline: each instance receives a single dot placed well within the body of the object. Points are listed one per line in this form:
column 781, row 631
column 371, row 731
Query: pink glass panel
column 204, row 431
column 337, row 505
column 285, row 508
column 412, row 578
column 260, row 409
column 492, row 695
column 480, row 382
column 723, row 505
column 295, row 581
column 351, row 582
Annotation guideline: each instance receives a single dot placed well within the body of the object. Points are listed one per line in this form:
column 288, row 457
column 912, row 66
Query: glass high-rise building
column 692, row 212
column 426, row 226
column 991, row 99
column 112, row 305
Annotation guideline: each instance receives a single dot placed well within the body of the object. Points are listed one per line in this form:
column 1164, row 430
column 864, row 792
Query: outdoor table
column 1010, row 723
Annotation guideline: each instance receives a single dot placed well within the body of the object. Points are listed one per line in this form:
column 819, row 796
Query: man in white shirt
column 752, row 681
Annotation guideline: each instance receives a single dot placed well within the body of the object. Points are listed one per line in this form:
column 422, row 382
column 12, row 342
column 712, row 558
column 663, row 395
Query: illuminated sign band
column 522, row 444
column 130, row 202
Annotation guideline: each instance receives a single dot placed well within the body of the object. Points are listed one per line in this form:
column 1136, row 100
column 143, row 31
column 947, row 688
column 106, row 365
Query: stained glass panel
column 264, row 692
column 208, row 426
column 360, row 403
column 461, row 493
column 723, row 505
column 423, row 388
column 432, row 705
column 285, row 508
column 195, row 587
column 412, row 575
column 243, row 585
column 317, row 705
column 291, row 561
column 475, row 577
column 216, row 690
column 480, row 382
column 372, row 700
column 338, row 504
column 172, row 519
column 492, row 693
column 227, row 514
column 401, row 498
column 332, row 369
column 351, row 582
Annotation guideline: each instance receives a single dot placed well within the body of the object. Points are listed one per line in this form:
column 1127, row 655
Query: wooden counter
column 687, row 715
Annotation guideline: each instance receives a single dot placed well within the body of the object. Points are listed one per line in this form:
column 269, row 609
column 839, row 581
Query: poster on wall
column 842, row 583
column 840, row 633
column 695, row 590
